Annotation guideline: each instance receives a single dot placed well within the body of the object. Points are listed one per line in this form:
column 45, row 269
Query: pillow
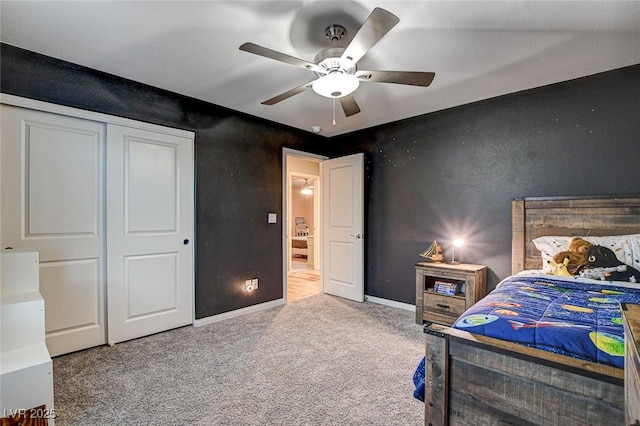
column 634, row 246
column 626, row 247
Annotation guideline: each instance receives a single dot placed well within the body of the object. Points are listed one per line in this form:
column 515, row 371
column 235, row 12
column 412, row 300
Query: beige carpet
column 320, row 360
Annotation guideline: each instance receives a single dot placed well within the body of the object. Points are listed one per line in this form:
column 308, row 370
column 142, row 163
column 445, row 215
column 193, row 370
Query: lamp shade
column 335, row 85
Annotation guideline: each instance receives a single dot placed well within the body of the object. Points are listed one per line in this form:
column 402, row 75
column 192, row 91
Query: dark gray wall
column 426, row 177
column 238, row 162
column 457, row 170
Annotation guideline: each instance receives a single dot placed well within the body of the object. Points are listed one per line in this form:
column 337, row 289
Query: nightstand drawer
column 444, row 305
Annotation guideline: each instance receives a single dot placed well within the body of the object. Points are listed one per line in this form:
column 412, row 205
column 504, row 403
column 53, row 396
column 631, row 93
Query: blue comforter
column 577, row 318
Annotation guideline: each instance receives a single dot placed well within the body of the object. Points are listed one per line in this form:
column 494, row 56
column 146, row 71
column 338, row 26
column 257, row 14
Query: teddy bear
column 577, row 255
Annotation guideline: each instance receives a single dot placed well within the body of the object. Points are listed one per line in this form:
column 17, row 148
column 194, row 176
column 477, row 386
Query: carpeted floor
column 321, row 360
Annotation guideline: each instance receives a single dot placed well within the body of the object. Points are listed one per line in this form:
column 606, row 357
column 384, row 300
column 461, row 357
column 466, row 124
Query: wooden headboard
column 572, row 216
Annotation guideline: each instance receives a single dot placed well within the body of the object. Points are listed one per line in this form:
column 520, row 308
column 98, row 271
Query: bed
column 299, row 241
column 299, row 245
column 476, row 379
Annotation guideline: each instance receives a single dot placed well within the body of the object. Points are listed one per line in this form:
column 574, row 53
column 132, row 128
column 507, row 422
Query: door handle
column 357, row 236
column 186, row 242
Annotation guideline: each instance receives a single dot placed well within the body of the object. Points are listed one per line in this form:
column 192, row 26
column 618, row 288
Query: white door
column 52, row 201
column 343, row 227
column 150, row 232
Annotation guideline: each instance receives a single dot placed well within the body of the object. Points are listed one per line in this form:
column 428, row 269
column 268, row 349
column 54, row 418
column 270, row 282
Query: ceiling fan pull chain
column 334, row 112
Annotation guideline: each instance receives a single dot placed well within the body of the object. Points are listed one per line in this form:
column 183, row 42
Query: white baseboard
column 238, row 312
column 392, row 303
column 279, row 302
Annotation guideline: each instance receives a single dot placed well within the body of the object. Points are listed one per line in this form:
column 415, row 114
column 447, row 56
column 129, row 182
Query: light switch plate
column 273, row 218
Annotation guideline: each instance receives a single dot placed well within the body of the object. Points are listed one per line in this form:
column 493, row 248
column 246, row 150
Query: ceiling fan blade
column 412, row 78
column 374, row 28
column 287, row 94
column 349, row 105
column 282, row 57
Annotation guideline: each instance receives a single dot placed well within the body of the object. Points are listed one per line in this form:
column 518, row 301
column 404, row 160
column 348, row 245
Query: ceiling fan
column 336, row 67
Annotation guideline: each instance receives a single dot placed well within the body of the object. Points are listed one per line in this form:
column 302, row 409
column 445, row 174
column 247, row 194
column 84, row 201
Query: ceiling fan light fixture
column 336, row 85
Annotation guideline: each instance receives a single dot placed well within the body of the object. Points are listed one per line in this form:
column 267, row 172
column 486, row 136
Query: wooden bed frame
column 477, row 380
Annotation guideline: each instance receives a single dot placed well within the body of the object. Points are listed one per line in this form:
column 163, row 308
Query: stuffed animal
column 577, row 255
column 560, row 268
column 603, row 259
column 603, row 274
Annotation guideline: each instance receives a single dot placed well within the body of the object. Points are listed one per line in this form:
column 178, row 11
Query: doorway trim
column 286, row 191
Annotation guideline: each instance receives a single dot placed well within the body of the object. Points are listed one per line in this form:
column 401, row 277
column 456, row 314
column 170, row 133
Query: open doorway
column 302, row 224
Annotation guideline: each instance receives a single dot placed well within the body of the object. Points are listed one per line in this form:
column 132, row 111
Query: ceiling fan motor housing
column 329, row 59
column 335, row 32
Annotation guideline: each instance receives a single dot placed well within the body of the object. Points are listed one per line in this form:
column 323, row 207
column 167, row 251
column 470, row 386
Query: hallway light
column 306, row 190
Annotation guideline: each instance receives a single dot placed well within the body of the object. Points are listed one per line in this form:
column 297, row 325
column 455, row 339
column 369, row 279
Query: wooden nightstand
column 444, row 308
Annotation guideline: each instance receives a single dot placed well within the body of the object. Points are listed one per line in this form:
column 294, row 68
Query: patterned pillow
column 626, row 247
column 634, row 247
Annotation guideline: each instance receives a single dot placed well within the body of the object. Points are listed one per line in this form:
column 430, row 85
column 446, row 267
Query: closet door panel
column 62, row 188
column 152, row 186
column 156, row 274
column 52, row 201
column 70, row 290
column 150, row 229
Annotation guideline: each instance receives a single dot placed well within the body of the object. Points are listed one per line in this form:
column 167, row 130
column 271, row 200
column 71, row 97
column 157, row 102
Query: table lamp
column 458, row 242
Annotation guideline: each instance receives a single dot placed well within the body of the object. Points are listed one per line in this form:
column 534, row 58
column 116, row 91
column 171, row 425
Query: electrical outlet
column 251, row 284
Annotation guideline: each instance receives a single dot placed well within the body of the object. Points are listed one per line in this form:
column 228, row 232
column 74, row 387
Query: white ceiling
column 478, row 49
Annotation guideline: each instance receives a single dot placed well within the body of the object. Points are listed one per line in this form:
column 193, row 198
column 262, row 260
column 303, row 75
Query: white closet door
column 52, row 201
column 150, row 232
